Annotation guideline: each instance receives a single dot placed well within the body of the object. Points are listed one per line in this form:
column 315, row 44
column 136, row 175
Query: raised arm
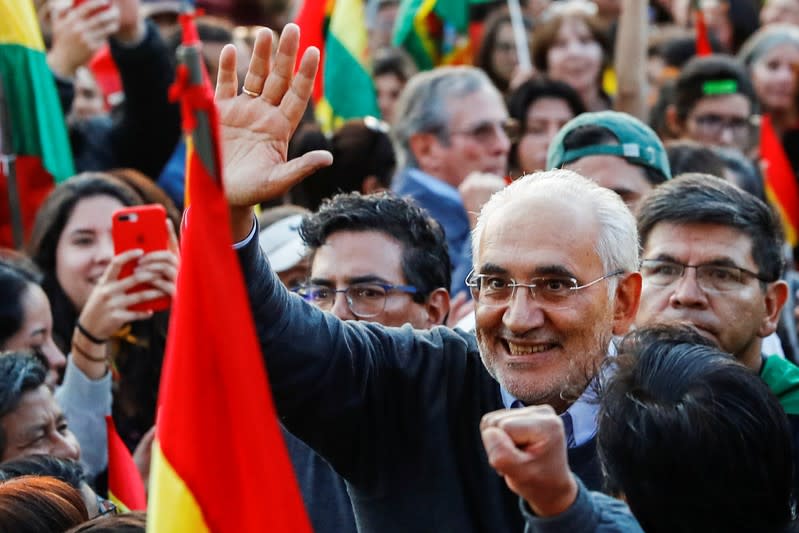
column 630, row 59
column 528, row 448
column 258, row 123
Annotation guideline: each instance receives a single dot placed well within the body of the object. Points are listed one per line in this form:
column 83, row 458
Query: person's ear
column 775, row 296
column 424, row 147
column 437, row 307
column 675, row 126
column 625, row 306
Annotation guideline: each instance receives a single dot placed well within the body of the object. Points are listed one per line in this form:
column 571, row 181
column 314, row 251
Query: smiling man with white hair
column 396, row 411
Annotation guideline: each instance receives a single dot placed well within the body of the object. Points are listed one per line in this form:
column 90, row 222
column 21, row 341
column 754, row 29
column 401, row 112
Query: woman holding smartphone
column 72, row 244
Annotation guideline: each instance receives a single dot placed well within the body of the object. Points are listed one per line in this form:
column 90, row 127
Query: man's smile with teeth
column 523, row 349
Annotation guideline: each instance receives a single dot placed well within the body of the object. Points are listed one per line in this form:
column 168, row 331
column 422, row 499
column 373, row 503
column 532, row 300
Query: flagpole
column 519, row 34
column 8, row 164
column 190, row 55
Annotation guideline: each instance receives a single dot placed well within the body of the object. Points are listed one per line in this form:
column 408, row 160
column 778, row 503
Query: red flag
column 703, row 47
column 312, row 18
column 779, row 179
column 219, row 461
column 125, row 486
column 33, row 183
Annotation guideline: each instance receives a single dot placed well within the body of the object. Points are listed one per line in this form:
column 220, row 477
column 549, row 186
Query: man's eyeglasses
column 365, row 300
column 709, row 277
column 105, row 507
column 485, row 132
column 553, row 291
column 713, row 125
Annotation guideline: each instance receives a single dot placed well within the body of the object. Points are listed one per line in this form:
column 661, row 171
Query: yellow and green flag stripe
column 433, row 32
column 347, row 83
column 36, row 118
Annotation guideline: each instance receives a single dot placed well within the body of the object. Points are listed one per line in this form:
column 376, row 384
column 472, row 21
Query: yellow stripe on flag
column 19, row 25
column 790, row 232
column 189, row 155
column 351, row 35
column 420, row 24
column 121, row 507
column 172, row 507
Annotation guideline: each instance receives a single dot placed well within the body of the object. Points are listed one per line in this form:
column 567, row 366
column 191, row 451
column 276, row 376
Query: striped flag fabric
column 434, row 32
column 125, row 485
column 219, row 461
column 34, row 119
column 348, row 89
column 782, row 190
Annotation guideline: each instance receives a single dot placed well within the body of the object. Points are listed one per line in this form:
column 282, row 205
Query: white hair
column 617, row 241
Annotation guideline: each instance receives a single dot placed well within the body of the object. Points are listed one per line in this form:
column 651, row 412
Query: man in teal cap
column 616, row 150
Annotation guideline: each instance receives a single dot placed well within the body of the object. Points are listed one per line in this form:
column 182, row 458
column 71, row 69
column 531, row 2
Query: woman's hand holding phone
column 117, row 300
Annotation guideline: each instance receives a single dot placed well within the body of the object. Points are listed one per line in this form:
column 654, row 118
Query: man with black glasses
column 712, row 259
column 396, row 411
column 378, row 258
column 714, row 103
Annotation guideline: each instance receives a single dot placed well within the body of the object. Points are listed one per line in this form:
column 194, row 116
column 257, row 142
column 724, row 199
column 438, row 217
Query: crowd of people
column 555, row 296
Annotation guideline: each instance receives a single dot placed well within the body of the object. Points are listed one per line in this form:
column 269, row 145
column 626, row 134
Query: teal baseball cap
column 638, row 143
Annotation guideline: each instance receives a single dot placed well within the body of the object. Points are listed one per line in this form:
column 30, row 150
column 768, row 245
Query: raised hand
column 78, row 33
column 257, row 124
column 528, row 448
column 131, row 23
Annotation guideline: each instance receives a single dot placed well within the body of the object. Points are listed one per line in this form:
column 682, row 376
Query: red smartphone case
column 140, row 227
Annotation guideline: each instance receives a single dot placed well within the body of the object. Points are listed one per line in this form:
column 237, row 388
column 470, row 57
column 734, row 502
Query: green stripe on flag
column 455, row 12
column 37, row 120
column 407, row 35
column 348, row 86
column 431, row 30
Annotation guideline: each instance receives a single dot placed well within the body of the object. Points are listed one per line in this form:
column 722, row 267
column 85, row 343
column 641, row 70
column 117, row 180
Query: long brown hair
column 51, row 219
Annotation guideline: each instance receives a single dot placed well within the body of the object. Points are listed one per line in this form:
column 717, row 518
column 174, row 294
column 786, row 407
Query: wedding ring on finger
column 250, row 93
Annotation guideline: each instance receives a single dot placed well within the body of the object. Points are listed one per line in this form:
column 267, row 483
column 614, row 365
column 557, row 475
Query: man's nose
column 341, row 308
column 66, row 446
column 687, row 292
column 523, row 313
column 501, row 140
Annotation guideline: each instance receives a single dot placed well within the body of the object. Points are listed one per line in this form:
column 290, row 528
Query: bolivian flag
column 782, row 190
column 348, row 89
column 35, row 120
column 219, row 461
column 125, row 485
column 434, row 32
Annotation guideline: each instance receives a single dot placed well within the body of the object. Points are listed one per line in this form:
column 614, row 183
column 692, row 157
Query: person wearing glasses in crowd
column 712, row 260
column 714, row 103
column 449, row 122
column 376, row 258
column 396, row 411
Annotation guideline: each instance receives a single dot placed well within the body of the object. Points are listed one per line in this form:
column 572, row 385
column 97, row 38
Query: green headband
column 719, row 87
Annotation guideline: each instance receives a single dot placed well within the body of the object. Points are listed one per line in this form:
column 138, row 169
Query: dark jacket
column 395, row 411
column 591, row 512
column 143, row 132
